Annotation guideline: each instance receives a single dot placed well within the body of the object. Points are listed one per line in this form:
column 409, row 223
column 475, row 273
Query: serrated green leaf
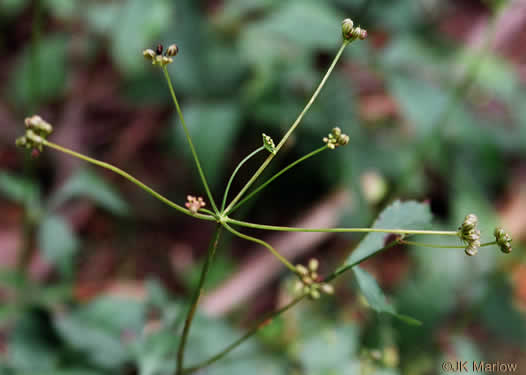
column 402, row 215
column 376, row 298
column 87, row 184
column 57, row 242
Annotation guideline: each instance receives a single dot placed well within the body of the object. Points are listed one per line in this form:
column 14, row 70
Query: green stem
column 234, row 175
column 346, row 267
column 262, row 323
column 423, row 244
column 341, row 230
column 195, row 298
column 262, row 186
column 129, row 178
column 189, row 139
column 292, row 128
column 263, row 243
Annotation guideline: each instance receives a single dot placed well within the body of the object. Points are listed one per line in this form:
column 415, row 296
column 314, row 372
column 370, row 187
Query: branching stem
column 130, row 178
column 340, row 230
column 225, row 196
column 263, row 243
column 291, row 129
column 262, row 186
column 261, row 324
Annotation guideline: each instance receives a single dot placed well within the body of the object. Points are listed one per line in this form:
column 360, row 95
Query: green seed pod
column 33, row 137
column 327, row 288
column 343, row 139
column 314, row 294
column 302, row 270
column 313, row 264
column 471, row 250
column 21, row 142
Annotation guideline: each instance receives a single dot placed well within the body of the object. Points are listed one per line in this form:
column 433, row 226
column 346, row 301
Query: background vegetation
column 94, row 273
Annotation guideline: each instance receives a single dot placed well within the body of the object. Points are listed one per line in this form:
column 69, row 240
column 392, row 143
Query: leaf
column 12, row 8
column 329, row 349
column 63, row 9
column 57, row 242
column 131, row 26
column 213, row 127
column 307, row 24
column 43, row 77
column 376, row 298
column 87, row 184
column 18, row 189
column 402, row 215
column 31, row 349
column 97, row 329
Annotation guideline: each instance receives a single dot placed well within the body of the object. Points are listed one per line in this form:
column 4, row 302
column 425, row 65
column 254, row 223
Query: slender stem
column 189, row 139
column 423, row 244
column 340, row 230
column 234, row 175
column 263, row 243
column 292, row 128
column 262, row 186
column 195, row 298
column 261, row 324
column 346, row 267
column 129, row 178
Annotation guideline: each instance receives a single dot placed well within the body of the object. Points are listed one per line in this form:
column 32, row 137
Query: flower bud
column 159, row 49
column 347, row 28
column 313, row 264
column 172, row 50
column 149, row 54
column 360, row 33
column 503, row 240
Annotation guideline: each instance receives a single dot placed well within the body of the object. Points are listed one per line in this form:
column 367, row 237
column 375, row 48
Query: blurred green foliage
column 246, row 68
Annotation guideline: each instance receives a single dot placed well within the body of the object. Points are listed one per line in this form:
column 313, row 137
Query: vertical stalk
column 189, row 139
column 195, row 298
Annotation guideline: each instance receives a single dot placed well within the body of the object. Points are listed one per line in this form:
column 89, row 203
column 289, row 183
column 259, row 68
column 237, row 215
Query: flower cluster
column 37, row 130
column 157, row 57
column 469, row 233
column 503, row 240
column 350, row 32
column 336, row 138
column 194, row 204
column 268, row 143
column 308, row 283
